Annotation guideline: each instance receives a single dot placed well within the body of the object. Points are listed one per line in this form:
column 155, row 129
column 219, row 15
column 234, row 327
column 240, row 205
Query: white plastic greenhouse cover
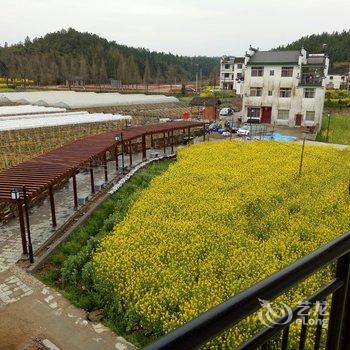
column 40, row 115
column 58, row 119
column 28, row 109
column 71, row 99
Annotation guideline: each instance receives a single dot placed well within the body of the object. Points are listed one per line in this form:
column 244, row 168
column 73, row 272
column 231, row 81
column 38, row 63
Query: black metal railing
column 226, row 315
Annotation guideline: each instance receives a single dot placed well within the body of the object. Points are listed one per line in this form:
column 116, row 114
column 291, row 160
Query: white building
column 232, row 74
column 284, row 87
column 337, row 81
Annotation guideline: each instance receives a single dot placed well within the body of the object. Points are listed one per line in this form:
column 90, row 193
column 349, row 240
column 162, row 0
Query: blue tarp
column 278, row 137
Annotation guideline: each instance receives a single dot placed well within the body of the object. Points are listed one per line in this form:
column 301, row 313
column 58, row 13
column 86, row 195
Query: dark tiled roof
column 339, row 71
column 278, row 57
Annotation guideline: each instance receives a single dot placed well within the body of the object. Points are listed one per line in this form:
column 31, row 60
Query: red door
column 266, row 115
column 298, row 119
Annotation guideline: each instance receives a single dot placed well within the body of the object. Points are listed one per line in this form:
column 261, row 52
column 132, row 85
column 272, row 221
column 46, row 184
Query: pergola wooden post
column 22, row 227
column 164, row 144
column 75, row 191
column 105, row 165
column 130, row 153
column 116, row 159
column 144, row 154
column 52, row 205
column 172, row 141
column 92, row 178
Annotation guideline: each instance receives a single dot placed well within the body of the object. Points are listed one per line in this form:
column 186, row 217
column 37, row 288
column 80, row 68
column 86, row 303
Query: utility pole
column 302, row 157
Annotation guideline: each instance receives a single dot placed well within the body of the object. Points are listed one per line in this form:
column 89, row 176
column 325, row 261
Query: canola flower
column 223, row 217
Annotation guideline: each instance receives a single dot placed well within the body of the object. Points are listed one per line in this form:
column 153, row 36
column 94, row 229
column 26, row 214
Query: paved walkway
column 29, row 310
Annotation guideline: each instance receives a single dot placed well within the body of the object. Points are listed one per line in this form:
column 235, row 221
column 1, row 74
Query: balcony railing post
column 339, row 318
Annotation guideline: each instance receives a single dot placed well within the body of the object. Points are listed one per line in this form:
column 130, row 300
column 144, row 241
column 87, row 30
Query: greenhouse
column 57, row 119
column 72, row 99
column 28, row 109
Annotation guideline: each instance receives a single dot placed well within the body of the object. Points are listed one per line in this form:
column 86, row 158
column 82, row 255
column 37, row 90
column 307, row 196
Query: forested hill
column 68, row 53
column 338, row 45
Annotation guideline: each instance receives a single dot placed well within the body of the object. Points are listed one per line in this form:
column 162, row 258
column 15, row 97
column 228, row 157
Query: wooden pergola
column 40, row 175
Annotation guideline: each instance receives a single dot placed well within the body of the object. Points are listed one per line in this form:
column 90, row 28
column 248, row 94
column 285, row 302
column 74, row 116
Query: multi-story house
column 284, row 87
column 232, row 74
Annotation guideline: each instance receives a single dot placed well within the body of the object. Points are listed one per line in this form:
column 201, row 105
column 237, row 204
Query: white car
column 243, row 131
column 225, row 112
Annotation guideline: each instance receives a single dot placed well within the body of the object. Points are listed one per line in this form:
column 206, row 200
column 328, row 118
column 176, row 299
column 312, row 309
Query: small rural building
column 338, row 80
column 207, row 107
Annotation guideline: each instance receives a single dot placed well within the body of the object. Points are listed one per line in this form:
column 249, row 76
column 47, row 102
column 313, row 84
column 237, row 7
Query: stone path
column 29, row 310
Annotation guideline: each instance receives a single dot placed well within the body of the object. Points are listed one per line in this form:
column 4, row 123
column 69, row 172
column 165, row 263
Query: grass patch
column 70, row 270
column 339, row 129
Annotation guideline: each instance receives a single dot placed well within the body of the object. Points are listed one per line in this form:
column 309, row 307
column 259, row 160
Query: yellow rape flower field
column 223, row 217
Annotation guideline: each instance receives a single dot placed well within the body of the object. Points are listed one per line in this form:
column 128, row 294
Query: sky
column 184, row 27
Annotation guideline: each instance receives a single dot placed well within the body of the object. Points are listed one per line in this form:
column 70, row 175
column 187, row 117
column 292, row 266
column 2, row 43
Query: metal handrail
column 218, row 319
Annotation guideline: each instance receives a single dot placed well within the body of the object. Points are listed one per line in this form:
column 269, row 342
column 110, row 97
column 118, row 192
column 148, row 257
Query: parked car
column 213, row 127
column 190, row 90
column 232, row 125
column 244, row 131
column 253, row 120
column 224, row 112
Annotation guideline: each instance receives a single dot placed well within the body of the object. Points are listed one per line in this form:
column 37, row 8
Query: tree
column 103, row 72
column 121, row 69
column 183, row 89
column 171, row 75
column 83, row 69
column 69, row 53
column 147, row 74
column 134, row 76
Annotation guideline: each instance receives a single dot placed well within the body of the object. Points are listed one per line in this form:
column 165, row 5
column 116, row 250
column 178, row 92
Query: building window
column 227, row 66
column 310, row 116
column 270, row 92
column 257, row 71
column 285, row 92
column 272, row 72
column 227, row 75
column 253, row 112
column 309, row 93
column 287, row 72
column 283, row 114
column 239, row 65
column 255, row 91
